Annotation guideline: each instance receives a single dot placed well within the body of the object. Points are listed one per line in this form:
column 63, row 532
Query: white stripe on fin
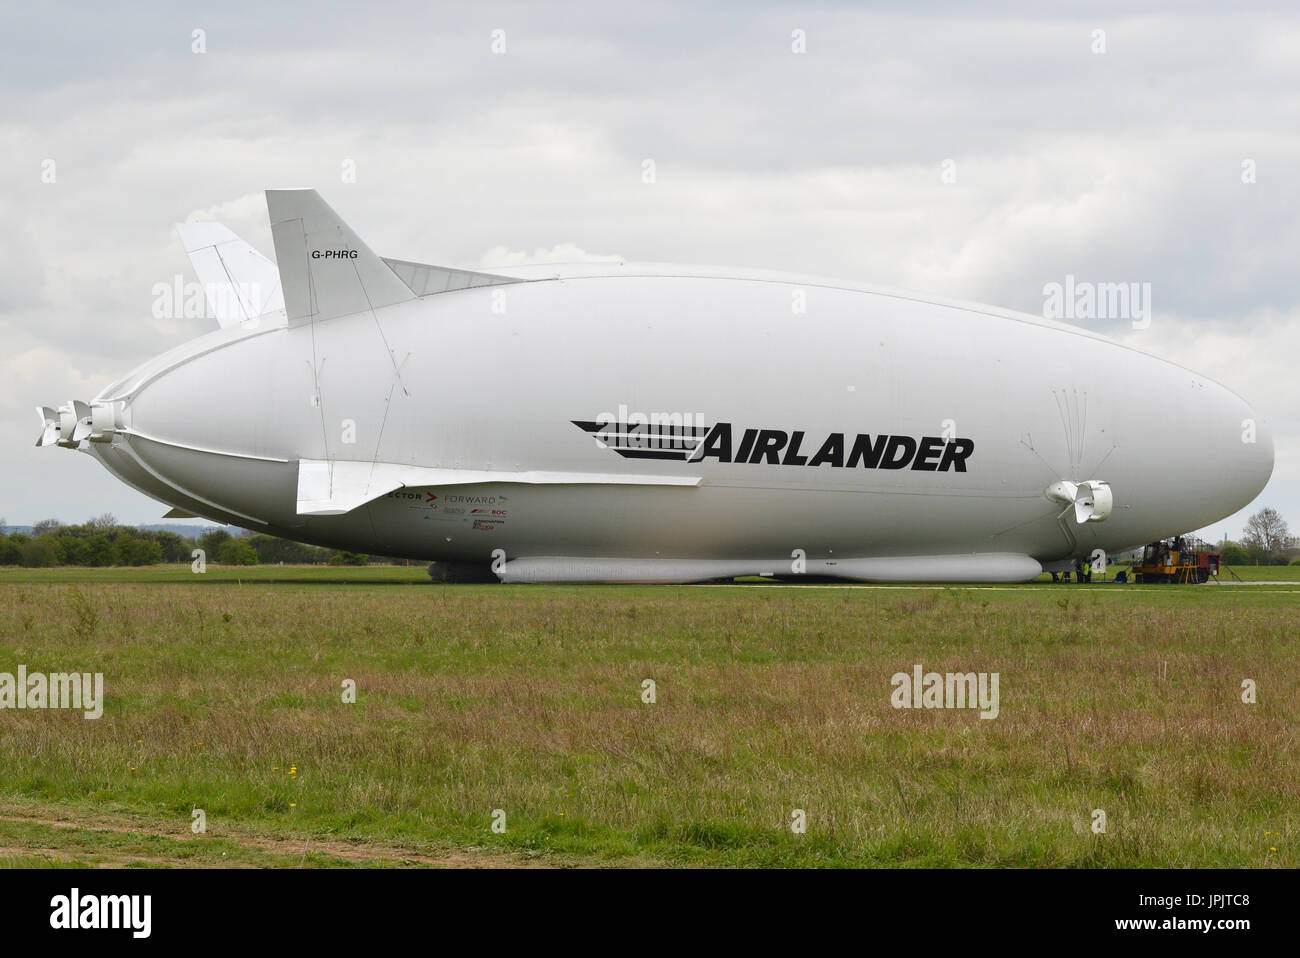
column 239, row 283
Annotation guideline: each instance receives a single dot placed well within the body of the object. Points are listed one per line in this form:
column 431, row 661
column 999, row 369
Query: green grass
column 1264, row 573
column 219, row 575
column 223, row 693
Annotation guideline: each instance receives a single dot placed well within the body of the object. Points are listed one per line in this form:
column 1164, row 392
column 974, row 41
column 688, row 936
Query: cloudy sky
column 919, row 145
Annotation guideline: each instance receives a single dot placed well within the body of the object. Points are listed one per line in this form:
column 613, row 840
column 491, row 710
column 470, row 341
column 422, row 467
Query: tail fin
column 325, row 268
column 239, row 282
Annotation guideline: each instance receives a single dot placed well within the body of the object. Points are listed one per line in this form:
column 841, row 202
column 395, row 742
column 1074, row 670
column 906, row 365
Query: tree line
column 103, row 542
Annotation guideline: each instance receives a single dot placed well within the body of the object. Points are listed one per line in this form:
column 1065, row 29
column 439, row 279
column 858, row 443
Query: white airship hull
column 672, row 424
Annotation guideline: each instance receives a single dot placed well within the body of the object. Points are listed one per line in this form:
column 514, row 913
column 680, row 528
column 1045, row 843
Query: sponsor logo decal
column 457, row 504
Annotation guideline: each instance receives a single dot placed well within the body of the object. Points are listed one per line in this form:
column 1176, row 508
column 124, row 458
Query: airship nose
column 1247, row 457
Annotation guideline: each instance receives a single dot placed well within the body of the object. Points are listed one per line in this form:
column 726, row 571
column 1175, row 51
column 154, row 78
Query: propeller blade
column 1100, row 501
column 67, row 424
column 49, row 426
column 1062, row 491
column 82, row 429
column 1092, row 500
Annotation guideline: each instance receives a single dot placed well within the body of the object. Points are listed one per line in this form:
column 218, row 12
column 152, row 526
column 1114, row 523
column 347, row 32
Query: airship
column 611, row 422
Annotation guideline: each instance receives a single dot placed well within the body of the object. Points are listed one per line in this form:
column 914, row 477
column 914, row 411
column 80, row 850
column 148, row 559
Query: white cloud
column 560, row 253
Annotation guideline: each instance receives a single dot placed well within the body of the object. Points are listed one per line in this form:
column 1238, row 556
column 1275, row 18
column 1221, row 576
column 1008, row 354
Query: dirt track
column 121, row 827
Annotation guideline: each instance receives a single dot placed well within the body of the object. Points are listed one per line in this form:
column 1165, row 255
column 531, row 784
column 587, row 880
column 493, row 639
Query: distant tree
column 42, row 552
column 44, row 526
column 11, row 552
column 100, row 550
column 349, row 558
column 76, row 550
column 1266, row 534
column 4, row 525
column 210, row 542
column 271, row 549
column 236, row 552
column 104, row 521
column 132, row 550
column 1233, row 554
column 175, row 548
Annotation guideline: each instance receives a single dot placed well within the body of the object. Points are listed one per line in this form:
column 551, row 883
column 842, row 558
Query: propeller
column 1092, row 499
column 72, row 422
column 82, row 429
column 49, row 426
column 67, row 424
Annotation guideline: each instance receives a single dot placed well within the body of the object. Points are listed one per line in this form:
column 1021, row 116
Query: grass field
column 223, row 693
column 1264, row 573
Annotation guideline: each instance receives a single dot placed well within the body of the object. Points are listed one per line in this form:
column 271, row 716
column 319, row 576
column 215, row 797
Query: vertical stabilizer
column 325, row 269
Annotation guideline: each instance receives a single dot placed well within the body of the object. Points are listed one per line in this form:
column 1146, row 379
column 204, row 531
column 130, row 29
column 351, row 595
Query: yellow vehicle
column 1181, row 560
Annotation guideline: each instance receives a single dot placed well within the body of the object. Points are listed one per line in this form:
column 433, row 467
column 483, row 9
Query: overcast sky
column 1127, row 165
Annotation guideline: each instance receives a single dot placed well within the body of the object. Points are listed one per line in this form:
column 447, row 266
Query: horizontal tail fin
column 332, row 488
column 426, row 280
